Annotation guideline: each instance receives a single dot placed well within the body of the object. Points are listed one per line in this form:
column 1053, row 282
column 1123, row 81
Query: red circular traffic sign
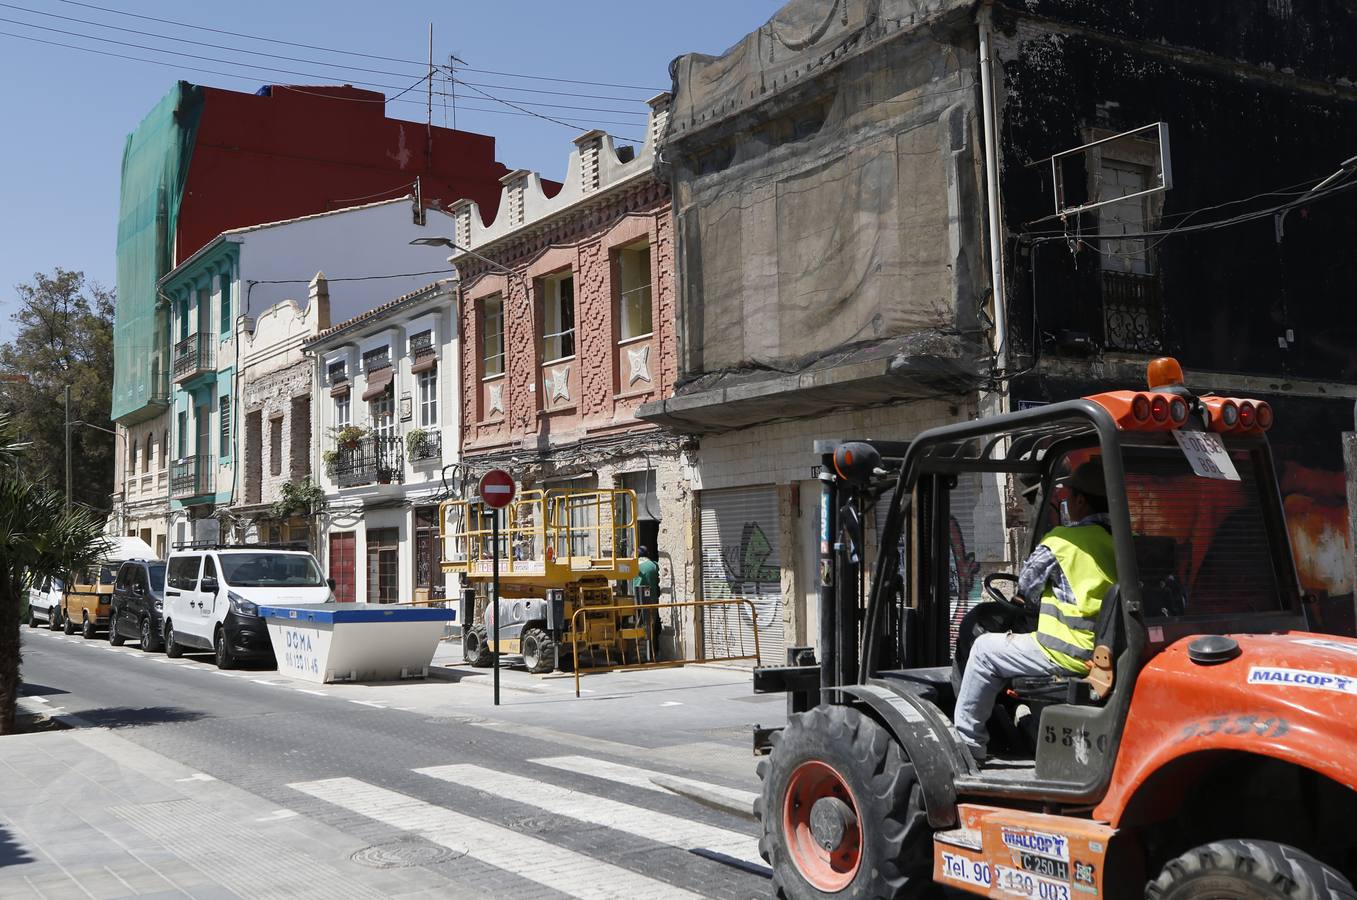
column 496, row 488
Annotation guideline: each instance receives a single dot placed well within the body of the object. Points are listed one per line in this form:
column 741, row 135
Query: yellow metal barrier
column 641, row 608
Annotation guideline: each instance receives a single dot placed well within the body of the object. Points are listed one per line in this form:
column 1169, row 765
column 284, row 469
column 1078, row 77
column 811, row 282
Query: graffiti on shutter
column 741, row 559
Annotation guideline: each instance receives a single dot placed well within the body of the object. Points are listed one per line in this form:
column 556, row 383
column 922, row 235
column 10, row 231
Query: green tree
column 37, row 539
column 64, row 337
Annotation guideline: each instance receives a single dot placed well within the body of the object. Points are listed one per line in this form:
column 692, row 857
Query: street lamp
column 453, row 245
column 71, row 423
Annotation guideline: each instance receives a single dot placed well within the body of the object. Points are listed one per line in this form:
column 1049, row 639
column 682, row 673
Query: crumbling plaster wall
column 842, row 209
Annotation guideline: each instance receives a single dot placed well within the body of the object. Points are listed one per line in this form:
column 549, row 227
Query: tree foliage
column 38, row 538
column 64, row 336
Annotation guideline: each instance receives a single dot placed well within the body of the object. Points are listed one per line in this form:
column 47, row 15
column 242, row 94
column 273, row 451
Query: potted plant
column 349, row 436
column 331, row 459
column 417, row 442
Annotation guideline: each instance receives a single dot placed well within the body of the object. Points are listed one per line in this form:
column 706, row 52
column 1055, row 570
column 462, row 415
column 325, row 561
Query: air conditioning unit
column 247, row 324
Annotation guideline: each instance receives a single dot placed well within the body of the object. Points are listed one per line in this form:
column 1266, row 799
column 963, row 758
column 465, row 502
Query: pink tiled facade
column 595, row 392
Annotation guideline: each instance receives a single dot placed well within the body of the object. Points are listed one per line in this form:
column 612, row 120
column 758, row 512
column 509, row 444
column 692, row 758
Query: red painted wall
column 308, row 150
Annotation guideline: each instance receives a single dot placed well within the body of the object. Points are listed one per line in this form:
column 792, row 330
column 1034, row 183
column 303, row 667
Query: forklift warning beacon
column 1210, row 752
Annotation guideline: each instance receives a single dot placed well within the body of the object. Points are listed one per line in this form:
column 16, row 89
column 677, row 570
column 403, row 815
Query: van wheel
column 53, row 619
column 539, row 651
column 173, row 649
column 32, row 622
column 225, row 658
column 114, row 637
column 149, row 644
column 1248, row 870
column 86, row 627
column 67, row 626
column 476, row 649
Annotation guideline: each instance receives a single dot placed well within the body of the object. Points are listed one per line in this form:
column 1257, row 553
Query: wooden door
column 342, row 551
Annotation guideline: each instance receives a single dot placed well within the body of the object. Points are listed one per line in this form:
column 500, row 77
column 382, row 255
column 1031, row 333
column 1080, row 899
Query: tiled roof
column 378, row 311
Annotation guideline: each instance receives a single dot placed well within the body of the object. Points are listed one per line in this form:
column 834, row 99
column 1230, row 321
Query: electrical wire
column 444, row 272
column 410, row 62
column 255, row 79
column 530, row 112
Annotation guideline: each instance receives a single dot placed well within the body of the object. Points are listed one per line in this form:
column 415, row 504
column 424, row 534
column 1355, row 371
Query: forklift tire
column 1248, row 870
column 835, row 775
column 539, row 651
column 476, row 648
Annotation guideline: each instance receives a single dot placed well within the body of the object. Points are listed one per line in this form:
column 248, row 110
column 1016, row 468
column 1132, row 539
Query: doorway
column 383, row 551
column 342, row 547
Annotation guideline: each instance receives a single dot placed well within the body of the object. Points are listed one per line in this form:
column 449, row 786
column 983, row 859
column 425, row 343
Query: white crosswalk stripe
column 655, row 826
column 528, row 857
column 641, row 778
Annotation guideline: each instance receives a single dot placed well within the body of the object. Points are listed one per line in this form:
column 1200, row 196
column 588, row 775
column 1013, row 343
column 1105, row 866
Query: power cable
column 410, row 62
column 256, row 78
column 530, row 112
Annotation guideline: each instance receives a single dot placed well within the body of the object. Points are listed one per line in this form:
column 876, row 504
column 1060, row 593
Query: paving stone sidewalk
column 87, row 814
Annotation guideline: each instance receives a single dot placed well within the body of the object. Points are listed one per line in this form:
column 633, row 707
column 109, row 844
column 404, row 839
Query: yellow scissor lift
column 560, row 550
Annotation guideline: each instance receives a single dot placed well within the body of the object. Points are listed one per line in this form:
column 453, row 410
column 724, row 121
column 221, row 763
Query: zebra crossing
column 622, row 829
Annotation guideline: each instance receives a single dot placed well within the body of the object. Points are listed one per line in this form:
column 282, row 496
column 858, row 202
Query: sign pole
column 494, row 591
column 497, row 491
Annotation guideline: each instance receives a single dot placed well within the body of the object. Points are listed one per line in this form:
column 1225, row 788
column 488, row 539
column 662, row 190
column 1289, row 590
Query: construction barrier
column 640, row 609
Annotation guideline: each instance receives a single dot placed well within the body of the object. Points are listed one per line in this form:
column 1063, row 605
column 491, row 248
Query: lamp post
column 453, row 245
column 70, row 423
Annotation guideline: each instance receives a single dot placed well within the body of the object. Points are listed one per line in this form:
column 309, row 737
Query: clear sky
column 66, row 112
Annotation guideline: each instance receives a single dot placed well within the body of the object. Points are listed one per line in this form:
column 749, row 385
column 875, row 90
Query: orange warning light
column 1163, row 372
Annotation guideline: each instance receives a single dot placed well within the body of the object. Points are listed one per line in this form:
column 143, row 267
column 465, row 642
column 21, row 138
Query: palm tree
column 38, row 538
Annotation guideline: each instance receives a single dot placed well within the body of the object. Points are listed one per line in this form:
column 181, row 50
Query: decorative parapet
column 595, row 167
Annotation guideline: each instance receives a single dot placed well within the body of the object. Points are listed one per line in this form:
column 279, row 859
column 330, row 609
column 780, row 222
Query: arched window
column 150, row 449
column 132, row 458
column 165, row 449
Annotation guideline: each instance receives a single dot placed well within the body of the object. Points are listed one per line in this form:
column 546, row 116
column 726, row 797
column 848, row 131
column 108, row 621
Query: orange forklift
column 1211, row 752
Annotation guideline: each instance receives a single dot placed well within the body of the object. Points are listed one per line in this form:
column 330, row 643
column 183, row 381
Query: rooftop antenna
column 453, row 60
column 428, row 119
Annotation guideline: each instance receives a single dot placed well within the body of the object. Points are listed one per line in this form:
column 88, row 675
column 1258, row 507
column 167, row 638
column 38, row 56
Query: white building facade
column 385, row 429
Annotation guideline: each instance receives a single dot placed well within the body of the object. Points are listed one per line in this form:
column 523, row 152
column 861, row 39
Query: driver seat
column 1109, row 639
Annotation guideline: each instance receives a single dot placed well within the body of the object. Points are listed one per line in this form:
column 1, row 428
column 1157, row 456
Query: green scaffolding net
column 155, row 166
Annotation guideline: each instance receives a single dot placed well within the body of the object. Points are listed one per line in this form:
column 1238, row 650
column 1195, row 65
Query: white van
column 44, row 602
column 212, row 598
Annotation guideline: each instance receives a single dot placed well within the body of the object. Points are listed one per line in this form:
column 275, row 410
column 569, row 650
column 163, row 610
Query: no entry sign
column 497, row 488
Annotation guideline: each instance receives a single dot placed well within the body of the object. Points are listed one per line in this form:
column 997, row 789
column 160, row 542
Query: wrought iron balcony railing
column 372, row 460
column 431, row 447
column 1133, row 313
column 192, row 476
column 195, row 354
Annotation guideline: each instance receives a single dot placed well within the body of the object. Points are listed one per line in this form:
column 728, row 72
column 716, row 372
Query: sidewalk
column 85, row 813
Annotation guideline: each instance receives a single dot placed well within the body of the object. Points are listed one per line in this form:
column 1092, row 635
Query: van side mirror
column 331, row 583
column 138, row 589
column 209, row 585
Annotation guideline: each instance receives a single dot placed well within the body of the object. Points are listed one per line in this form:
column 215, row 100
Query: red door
column 342, row 552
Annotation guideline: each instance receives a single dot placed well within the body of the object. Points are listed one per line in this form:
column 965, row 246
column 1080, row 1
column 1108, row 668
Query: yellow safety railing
column 640, row 609
column 546, row 535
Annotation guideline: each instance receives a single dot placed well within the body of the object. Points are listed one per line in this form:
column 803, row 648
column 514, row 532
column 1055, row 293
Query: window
column 225, row 280
column 131, row 458
column 633, row 302
column 428, row 556
column 276, row 446
column 428, row 398
column 343, row 411
column 271, row 570
column 558, row 323
column 165, row 449
column 150, row 448
column 492, row 336
column 382, row 411
column 183, row 433
column 156, row 572
column 338, row 372
column 182, row 573
column 204, row 309
column 224, row 421
column 209, row 571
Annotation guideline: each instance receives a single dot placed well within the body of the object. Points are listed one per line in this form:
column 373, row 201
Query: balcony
column 194, row 356
column 192, row 476
column 430, row 446
column 1133, row 313
column 374, row 460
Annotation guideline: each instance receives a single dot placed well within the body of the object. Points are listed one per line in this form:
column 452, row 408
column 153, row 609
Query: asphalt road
column 528, row 795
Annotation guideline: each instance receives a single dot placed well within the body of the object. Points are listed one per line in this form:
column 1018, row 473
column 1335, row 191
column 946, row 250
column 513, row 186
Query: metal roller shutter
column 741, row 558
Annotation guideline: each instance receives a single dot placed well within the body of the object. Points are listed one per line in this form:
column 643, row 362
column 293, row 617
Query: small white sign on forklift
column 1207, row 455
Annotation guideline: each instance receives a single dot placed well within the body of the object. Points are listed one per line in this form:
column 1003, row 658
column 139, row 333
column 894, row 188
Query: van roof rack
column 217, row 545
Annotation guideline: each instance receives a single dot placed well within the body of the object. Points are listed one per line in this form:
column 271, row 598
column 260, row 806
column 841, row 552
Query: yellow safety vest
column 1065, row 630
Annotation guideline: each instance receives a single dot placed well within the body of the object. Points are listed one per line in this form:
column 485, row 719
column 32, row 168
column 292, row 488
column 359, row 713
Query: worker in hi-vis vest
column 1067, row 575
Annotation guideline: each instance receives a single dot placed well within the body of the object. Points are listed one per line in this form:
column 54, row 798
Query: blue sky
column 67, row 111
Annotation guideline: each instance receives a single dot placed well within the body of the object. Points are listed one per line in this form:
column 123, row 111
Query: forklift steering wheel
column 1015, row 605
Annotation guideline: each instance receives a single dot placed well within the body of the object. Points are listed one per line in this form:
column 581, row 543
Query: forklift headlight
column 240, row 606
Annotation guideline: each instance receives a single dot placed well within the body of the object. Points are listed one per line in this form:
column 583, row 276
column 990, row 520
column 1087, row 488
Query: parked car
column 212, row 598
column 44, row 602
column 138, row 604
column 89, row 594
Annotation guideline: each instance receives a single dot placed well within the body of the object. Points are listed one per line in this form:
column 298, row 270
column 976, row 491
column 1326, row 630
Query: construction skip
column 327, row 642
